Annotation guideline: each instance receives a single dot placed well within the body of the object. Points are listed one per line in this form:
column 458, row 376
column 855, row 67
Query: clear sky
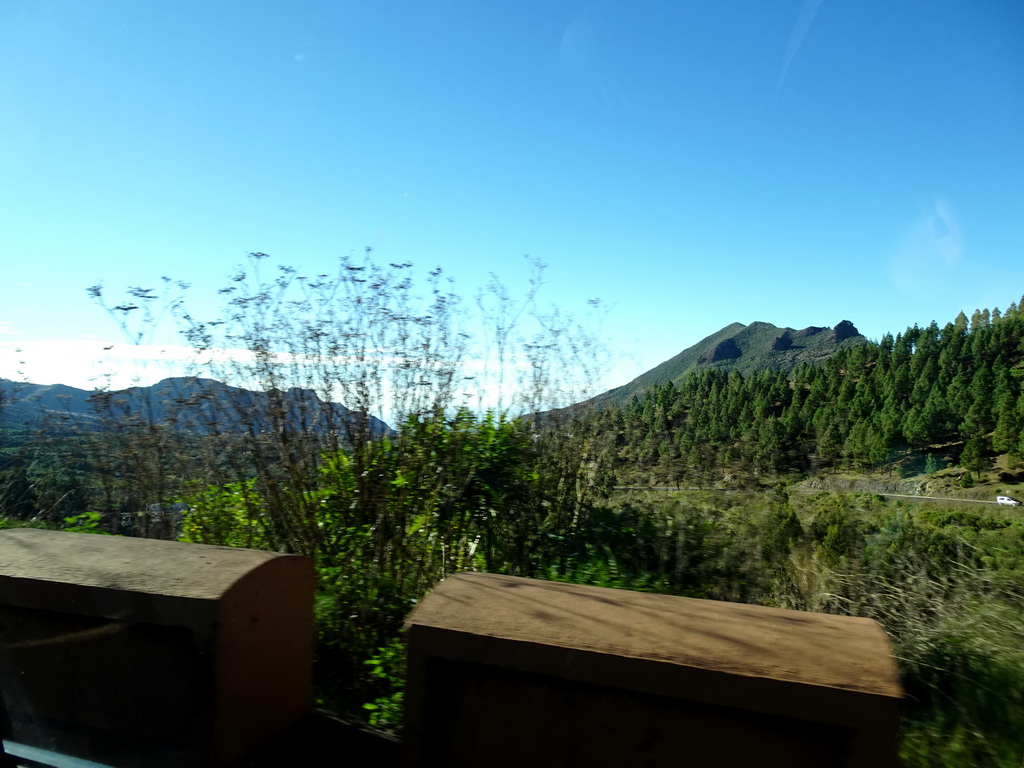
column 692, row 163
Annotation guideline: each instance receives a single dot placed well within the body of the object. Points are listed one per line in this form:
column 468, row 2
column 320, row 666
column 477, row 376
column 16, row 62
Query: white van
column 1008, row 501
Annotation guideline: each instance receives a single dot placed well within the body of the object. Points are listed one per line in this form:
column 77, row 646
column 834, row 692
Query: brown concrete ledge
column 794, row 679
column 140, row 652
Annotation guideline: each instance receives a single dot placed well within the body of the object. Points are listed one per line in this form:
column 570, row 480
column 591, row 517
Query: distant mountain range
column 204, row 406
column 744, row 348
column 200, row 406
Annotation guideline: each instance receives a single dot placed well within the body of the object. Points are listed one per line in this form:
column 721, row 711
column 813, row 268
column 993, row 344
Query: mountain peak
column 845, row 330
column 744, row 348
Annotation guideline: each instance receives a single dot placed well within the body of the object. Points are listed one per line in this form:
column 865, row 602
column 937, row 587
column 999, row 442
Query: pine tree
column 830, row 445
column 960, row 324
column 978, row 419
column 17, row 499
column 975, row 457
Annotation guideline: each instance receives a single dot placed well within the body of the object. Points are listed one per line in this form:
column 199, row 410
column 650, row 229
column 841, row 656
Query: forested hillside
column 934, row 394
column 744, row 348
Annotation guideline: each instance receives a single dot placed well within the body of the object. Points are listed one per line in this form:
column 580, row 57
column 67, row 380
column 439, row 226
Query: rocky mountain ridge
column 198, row 405
column 745, row 348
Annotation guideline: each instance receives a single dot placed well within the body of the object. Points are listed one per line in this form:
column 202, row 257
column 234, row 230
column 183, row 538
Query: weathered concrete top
column 629, row 628
column 121, row 577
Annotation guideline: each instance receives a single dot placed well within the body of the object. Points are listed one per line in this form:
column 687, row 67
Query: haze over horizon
column 691, row 164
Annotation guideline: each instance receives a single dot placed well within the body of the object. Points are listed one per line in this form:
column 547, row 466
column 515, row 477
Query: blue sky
column 692, row 164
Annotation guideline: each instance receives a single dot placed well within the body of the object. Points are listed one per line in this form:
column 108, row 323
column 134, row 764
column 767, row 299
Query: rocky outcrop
column 725, row 350
column 847, row 485
column 810, row 330
column 845, row 330
column 782, row 343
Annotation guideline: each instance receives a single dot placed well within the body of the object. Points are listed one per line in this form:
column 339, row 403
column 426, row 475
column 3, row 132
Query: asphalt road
column 806, row 490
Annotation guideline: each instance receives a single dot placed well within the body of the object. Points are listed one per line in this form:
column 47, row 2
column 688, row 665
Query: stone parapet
column 135, row 652
column 506, row 671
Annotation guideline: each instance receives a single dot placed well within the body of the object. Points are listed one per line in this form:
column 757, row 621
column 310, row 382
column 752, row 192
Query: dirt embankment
column 864, row 485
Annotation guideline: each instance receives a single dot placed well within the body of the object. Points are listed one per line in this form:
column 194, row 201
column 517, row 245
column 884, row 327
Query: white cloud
column 89, row 363
column 796, row 39
column 928, row 250
column 7, row 326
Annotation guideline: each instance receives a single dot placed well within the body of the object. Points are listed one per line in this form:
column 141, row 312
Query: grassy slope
column 943, row 581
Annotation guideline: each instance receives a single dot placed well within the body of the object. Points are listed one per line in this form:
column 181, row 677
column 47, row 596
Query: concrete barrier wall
column 139, row 652
column 505, row 671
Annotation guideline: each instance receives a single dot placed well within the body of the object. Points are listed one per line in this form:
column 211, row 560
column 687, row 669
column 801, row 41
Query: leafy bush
column 386, row 521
